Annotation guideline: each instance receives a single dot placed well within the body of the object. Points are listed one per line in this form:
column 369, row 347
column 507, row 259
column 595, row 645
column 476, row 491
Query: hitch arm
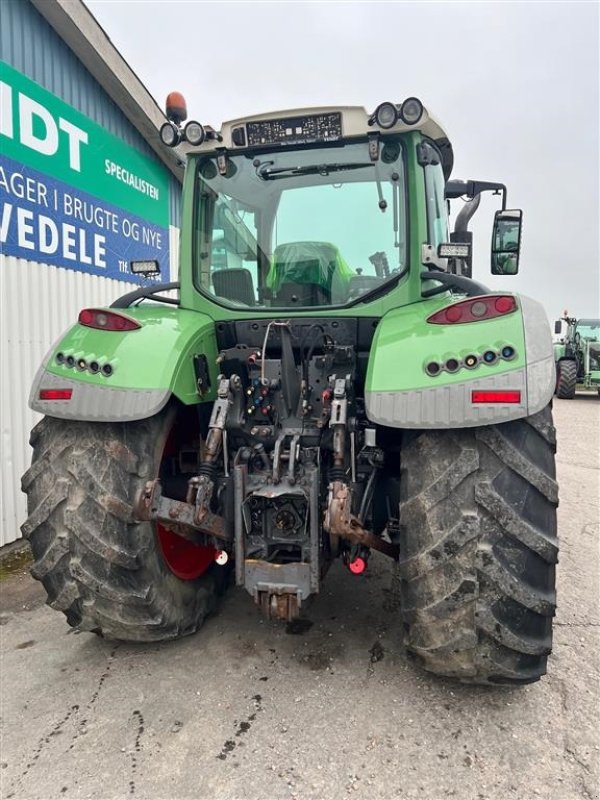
column 340, row 522
column 178, row 516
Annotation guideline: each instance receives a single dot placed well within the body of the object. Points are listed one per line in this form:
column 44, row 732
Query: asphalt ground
column 245, row 709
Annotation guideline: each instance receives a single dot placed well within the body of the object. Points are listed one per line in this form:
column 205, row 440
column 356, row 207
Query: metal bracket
column 202, row 374
column 373, row 139
column 430, row 258
column 339, row 403
column 277, row 458
column 292, row 460
column 427, row 154
column 218, row 417
column 201, row 487
column 281, row 605
column 199, row 495
column 222, row 163
column 178, row 516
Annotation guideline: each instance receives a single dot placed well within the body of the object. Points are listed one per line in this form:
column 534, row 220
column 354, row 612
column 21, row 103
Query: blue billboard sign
column 43, row 219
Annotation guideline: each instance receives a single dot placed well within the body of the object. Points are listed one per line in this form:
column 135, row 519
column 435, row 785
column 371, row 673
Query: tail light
column 106, row 320
column 496, row 396
column 475, row 309
column 55, row 394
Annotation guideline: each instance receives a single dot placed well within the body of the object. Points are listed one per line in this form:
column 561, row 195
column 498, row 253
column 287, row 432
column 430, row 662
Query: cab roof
column 291, row 126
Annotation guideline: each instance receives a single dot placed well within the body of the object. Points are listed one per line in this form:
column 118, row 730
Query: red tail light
column 497, row 396
column 106, row 320
column 475, row 309
column 56, row 394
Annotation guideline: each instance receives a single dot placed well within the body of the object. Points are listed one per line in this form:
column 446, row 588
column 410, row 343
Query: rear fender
column 147, row 366
column 400, row 393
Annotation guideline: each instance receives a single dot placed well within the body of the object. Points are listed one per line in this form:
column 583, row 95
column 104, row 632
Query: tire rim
column 184, row 559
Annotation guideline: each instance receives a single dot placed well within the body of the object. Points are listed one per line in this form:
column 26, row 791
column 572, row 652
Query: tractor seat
column 302, row 294
column 302, row 273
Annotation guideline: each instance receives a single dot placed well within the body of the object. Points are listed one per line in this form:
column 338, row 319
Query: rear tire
column 478, row 549
column 100, row 567
column 566, row 379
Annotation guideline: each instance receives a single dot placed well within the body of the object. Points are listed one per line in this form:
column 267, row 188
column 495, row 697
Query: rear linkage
column 261, row 501
column 193, row 518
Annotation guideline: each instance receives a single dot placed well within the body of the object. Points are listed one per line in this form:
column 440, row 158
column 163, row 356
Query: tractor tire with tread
column 478, row 549
column 99, row 566
column 566, row 379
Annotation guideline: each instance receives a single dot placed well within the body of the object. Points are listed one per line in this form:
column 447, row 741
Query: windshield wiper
column 267, row 172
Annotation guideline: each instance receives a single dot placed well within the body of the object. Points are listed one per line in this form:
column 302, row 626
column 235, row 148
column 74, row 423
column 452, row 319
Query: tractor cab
column 325, row 208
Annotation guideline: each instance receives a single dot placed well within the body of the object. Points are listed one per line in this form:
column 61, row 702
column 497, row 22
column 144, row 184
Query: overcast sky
column 515, row 86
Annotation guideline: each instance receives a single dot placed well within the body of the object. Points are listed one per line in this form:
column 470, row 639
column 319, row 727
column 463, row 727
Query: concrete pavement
column 245, row 710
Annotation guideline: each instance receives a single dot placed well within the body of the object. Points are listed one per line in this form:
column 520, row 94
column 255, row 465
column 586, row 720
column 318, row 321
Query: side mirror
column 557, row 326
column 506, row 242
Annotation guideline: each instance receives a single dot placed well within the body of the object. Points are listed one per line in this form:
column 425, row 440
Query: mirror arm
column 470, row 189
column 127, row 300
column 464, row 215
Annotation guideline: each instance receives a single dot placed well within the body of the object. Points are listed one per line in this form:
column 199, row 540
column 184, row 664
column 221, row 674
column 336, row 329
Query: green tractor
column 577, row 355
column 327, row 381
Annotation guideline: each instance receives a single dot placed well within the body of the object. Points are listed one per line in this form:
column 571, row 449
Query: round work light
column 169, row 134
column 386, row 115
column 411, row 111
column 194, row 133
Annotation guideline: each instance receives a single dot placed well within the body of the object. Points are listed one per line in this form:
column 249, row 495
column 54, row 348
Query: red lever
column 357, row 566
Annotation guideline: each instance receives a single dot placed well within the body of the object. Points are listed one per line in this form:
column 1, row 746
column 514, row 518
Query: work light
column 169, row 134
column 411, row 111
column 386, row 115
column 194, row 133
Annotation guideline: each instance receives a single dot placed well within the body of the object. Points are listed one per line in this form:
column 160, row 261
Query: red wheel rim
column 185, row 559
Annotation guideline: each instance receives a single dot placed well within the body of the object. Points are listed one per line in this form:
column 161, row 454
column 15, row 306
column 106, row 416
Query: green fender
column 147, row 366
column 401, row 391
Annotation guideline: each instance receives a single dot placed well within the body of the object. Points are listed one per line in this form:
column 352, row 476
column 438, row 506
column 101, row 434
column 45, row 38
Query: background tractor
column 577, row 355
column 328, row 381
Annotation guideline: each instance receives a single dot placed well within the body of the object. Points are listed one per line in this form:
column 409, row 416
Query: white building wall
column 66, row 62
column 38, row 303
